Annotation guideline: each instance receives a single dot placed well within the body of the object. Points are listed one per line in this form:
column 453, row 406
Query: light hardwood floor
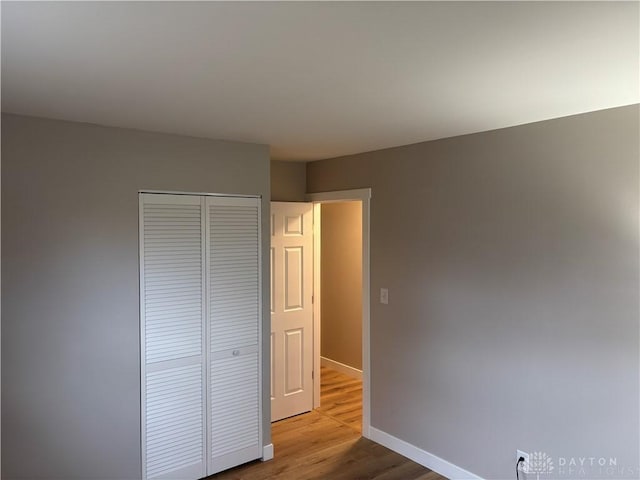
column 326, row 444
column 341, row 398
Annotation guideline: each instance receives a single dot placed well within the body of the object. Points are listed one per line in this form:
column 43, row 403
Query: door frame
column 363, row 195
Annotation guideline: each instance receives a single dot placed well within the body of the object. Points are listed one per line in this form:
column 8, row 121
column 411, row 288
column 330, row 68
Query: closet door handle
column 235, row 353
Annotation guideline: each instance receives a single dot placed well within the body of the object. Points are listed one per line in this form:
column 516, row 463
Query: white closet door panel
column 172, row 332
column 174, row 419
column 173, row 303
column 234, row 272
column 235, row 421
column 234, row 327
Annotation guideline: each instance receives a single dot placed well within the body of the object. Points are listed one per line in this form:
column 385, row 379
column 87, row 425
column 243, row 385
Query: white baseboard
column 424, row 458
column 341, row 367
column 267, row 452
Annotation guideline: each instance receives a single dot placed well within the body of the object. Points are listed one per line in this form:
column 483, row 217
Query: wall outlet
column 523, row 466
column 384, row 295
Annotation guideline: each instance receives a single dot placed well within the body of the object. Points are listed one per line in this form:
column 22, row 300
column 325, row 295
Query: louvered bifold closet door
column 172, row 285
column 233, row 251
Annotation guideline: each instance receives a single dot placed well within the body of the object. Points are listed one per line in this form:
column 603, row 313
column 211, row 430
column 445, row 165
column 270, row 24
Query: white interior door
column 291, row 309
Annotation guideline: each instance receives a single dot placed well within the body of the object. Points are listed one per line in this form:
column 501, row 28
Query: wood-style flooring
column 326, row 444
column 341, row 398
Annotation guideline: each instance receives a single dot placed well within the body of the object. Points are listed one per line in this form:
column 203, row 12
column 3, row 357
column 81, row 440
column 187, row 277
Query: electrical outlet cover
column 524, row 466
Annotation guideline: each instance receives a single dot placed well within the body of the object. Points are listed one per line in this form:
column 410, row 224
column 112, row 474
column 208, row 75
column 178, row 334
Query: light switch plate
column 384, row 295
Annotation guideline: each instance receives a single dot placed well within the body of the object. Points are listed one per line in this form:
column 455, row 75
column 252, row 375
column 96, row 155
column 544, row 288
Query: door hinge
column 313, row 299
column 312, row 373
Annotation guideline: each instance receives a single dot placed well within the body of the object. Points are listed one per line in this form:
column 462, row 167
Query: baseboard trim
column 267, row 452
column 341, row 367
column 424, row 458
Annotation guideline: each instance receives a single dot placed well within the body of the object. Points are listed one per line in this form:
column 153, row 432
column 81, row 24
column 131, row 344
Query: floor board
column 326, row 444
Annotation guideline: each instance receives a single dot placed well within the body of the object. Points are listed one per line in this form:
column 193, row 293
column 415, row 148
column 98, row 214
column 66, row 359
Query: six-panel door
column 291, row 309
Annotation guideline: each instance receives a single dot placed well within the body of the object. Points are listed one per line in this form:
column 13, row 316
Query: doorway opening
column 341, row 382
column 341, row 312
column 297, row 305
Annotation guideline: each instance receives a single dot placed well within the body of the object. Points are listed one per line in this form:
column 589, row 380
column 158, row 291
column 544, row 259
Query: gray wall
column 288, row 181
column 512, row 260
column 341, row 283
column 70, row 340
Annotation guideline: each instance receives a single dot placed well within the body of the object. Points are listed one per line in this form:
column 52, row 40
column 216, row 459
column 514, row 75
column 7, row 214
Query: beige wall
column 288, row 181
column 70, row 310
column 512, row 262
column 341, row 283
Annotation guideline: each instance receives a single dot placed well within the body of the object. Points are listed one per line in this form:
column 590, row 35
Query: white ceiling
column 318, row 80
